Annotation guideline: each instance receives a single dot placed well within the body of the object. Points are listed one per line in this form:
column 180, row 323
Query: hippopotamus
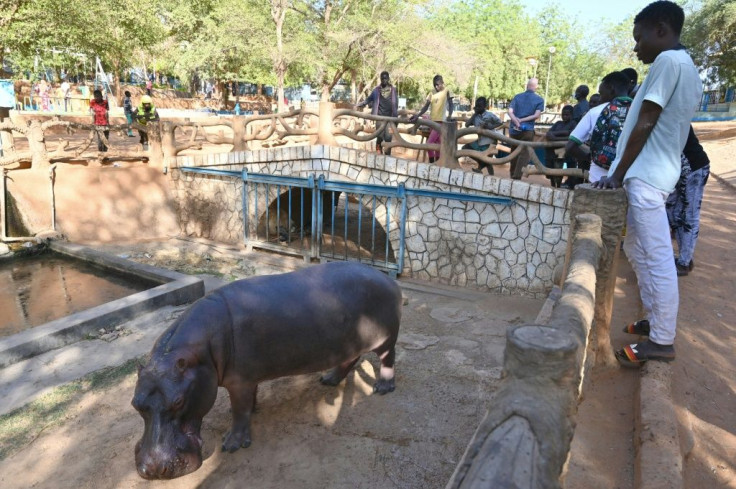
column 318, row 318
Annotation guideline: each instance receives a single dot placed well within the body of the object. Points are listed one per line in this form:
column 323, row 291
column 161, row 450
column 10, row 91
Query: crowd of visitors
column 632, row 135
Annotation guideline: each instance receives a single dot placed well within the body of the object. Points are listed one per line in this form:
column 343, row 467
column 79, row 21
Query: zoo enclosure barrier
column 524, row 439
column 306, row 125
column 299, row 216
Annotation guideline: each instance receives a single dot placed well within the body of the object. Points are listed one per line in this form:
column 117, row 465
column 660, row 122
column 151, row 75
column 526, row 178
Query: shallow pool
column 37, row 289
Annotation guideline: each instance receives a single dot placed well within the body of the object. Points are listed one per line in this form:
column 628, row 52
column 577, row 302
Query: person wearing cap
column 145, row 113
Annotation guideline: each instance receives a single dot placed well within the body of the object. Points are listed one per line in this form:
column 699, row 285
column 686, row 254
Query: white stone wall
column 507, row 249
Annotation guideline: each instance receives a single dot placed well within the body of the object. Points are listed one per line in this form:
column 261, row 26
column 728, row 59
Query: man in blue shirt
column 525, row 108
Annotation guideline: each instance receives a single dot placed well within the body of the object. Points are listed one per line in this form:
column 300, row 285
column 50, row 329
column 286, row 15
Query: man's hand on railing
column 608, row 182
column 413, row 118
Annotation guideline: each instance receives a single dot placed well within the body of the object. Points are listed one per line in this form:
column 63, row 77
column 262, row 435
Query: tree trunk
column 278, row 14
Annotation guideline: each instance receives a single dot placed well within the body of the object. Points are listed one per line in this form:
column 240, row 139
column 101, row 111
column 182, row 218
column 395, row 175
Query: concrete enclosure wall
column 507, row 249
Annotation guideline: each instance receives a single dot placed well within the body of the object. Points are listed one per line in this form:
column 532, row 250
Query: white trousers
column 596, row 173
column 649, row 249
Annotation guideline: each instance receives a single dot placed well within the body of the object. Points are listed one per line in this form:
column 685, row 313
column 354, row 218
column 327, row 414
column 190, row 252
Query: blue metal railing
column 392, row 199
column 275, row 193
column 279, row 190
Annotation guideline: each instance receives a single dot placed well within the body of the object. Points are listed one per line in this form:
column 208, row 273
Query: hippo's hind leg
column 242, row 401
column 387, row 354
column 335, row 376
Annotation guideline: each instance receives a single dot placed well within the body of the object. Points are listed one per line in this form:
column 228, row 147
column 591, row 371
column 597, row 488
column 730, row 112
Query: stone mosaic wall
column 508, row 249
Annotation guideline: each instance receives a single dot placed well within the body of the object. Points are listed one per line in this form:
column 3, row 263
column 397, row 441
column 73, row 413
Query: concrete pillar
column 168, row 144
column 611, row 206
column 324, row 135
column 156, row 153
column 37, row 145
column 6, row 137
column 239, row 143
column 448, row 145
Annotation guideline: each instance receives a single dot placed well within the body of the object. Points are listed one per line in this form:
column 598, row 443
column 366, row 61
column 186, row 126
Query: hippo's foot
column 384, row 386
column 332, row 377
column 234, row 440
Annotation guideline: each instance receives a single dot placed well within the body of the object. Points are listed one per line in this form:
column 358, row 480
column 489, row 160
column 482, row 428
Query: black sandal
column 636, row 354
column 641, row 327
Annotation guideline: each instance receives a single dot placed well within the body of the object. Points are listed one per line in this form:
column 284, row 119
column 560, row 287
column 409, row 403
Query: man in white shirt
column 648, row 164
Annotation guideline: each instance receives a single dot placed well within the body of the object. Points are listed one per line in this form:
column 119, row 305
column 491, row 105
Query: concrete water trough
column 173, row 289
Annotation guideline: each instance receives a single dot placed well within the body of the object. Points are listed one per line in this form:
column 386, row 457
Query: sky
column 587, row 12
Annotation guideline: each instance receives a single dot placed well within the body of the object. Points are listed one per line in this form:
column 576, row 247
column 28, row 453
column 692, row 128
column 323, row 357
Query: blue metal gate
column 365, row 233
column 330, row 220
column 278, row 213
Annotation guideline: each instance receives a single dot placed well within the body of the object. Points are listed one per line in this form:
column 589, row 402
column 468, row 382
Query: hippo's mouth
column 186, row 458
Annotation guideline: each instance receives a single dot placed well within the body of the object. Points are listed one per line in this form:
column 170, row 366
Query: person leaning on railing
column 440, row 101
column 145, row 113
column 384, row 101
column 482, row 118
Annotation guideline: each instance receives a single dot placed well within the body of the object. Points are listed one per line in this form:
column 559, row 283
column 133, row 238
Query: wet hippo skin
column 253, row 330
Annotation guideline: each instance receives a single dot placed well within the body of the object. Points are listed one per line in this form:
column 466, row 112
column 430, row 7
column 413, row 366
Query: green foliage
column 492, row 44
column 64, row 34
column 497, row 38
column 710, row 35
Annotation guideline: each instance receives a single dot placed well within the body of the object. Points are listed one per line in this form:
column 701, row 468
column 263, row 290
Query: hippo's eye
column 178, row 403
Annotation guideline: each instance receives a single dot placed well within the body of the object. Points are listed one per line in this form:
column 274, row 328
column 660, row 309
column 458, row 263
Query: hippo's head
column 173, row 393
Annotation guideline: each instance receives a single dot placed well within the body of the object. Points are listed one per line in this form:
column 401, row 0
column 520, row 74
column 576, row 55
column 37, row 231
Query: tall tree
column 710, row 34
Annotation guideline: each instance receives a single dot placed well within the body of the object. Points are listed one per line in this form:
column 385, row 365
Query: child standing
column 440, row 101
column 648, row 165
column 128, row 109
column 100, row 110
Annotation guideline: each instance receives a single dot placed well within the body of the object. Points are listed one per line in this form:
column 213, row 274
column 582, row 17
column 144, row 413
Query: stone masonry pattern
column 507, row 249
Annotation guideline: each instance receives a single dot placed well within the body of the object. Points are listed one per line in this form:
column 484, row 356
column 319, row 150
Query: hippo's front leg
column 242, row 402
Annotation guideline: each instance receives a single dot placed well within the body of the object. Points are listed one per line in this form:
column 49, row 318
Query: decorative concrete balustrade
column 170, row 137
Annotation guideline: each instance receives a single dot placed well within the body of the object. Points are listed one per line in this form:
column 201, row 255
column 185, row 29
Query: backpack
column 607, row 129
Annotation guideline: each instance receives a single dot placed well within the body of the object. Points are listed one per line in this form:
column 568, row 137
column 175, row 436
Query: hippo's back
column 311, row 319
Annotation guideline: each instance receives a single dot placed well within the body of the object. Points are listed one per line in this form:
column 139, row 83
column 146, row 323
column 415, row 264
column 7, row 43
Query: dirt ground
column 306, row 435
column 703, row 376
column 449, row 364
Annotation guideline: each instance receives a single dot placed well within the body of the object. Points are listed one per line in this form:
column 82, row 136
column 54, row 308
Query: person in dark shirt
column 559, row 131
column 683, row 204
column 482, row 118
column 595, row 100
column 633, row 80
column 384, row 101
column 582, row 107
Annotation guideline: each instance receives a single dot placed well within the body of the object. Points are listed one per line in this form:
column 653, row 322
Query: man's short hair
column 632, row 74
column 567, row 108
column 481, row 101
column 617, row 80
column 662, row 11
column 584, row 90
column 384, row 73
column 436, row 79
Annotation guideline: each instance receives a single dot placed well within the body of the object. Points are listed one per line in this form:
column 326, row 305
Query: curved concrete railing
column 305, row 125
column 524, row 439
